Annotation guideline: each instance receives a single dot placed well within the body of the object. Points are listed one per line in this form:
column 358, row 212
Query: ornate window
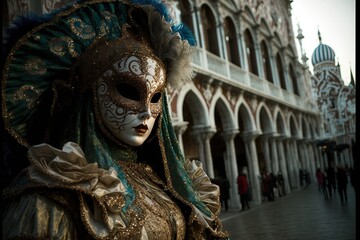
column 250, row 52
column 281, row 72
column 231, row 41
column 266, row 62
column 209, row 27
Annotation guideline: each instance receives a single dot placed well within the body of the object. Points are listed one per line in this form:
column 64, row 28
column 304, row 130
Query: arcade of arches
column 229, row 131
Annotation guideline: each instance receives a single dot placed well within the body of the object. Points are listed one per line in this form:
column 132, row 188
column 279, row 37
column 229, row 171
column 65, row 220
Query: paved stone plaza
column 301, row 215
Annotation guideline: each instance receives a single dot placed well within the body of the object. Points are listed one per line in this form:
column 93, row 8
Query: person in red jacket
column 243, row 190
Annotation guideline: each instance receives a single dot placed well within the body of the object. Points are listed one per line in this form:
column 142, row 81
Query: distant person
column 268, row 183
column 272, row 185
column 320, row 179
column 224, row 192
column 243, row 190
column 262, row 182
column 324, row 186
column 352, row 177
column 341, row 178
column 301, row 177
column 307, row 178
column 322, row 183
column 331, row 180
column 281, row 184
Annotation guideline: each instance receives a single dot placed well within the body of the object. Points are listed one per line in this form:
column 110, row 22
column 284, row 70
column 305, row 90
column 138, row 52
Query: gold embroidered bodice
column 162, row 217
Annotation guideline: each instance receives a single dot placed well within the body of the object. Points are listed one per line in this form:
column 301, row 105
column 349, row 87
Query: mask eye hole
column 156, row 97
column 128, row 91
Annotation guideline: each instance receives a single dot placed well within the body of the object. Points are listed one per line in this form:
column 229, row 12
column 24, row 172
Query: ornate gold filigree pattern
column 142, row 73
column 81, row 29
column 35, row 66
column 61, row 45
column 27, row 93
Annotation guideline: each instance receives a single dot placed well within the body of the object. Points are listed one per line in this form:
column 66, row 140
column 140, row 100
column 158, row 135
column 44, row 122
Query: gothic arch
column 263, row 119
column 222, row 105
column 222, row 117
column 191, row 95
column 192, row 113
column 243, row 112
column 293, row 125
column 280, row 122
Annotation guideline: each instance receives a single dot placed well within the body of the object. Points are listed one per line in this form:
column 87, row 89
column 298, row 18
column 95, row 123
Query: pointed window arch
column 293, row 80
column 250, row 52
column 186, row 14
column 266, row 61
column 231, row 41
column 209, row 27
column 281, row 72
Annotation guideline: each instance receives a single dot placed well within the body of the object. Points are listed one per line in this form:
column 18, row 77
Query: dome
column 322, row 53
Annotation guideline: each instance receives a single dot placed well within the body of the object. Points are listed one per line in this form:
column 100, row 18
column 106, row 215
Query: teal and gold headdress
column 49, row 51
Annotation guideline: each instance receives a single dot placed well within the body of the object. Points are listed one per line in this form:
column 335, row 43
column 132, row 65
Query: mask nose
column 145, row 114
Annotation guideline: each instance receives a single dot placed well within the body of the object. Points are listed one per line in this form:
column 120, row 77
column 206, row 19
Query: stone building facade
column 250, row 105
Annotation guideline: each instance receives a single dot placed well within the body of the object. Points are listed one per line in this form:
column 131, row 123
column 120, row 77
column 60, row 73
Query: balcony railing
column 216, row 66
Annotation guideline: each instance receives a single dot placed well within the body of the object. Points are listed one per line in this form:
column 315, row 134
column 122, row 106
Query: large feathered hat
column 50, row 46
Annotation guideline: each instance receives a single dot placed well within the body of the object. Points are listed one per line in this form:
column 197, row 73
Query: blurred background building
column 252, row 104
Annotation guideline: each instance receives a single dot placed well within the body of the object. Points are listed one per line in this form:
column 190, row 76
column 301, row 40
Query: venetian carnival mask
column 128, row 81
column 129, row 97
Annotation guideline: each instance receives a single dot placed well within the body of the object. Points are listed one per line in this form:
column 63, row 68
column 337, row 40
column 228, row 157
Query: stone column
column 180, row 128
column 312, row 162
column 198, row 25
column 274, row 156
column 265, row 141
column 320, row 157
column 283, row 163
column 290, row 164
column 231, row 166
column 297, row 165
column 204, row 135
column 301, row 153
column 253, row 164
column 309, row 160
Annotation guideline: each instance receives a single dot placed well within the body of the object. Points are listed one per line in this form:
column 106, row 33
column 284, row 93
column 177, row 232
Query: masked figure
column 84, row 89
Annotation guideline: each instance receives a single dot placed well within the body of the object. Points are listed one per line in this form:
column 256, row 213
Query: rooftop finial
column 319, row 35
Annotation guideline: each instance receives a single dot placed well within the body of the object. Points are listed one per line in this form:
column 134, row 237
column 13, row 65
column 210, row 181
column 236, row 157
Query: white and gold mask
column 128, row 81
column 129, row 98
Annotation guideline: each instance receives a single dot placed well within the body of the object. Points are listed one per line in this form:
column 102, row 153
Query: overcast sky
column 336, row 21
